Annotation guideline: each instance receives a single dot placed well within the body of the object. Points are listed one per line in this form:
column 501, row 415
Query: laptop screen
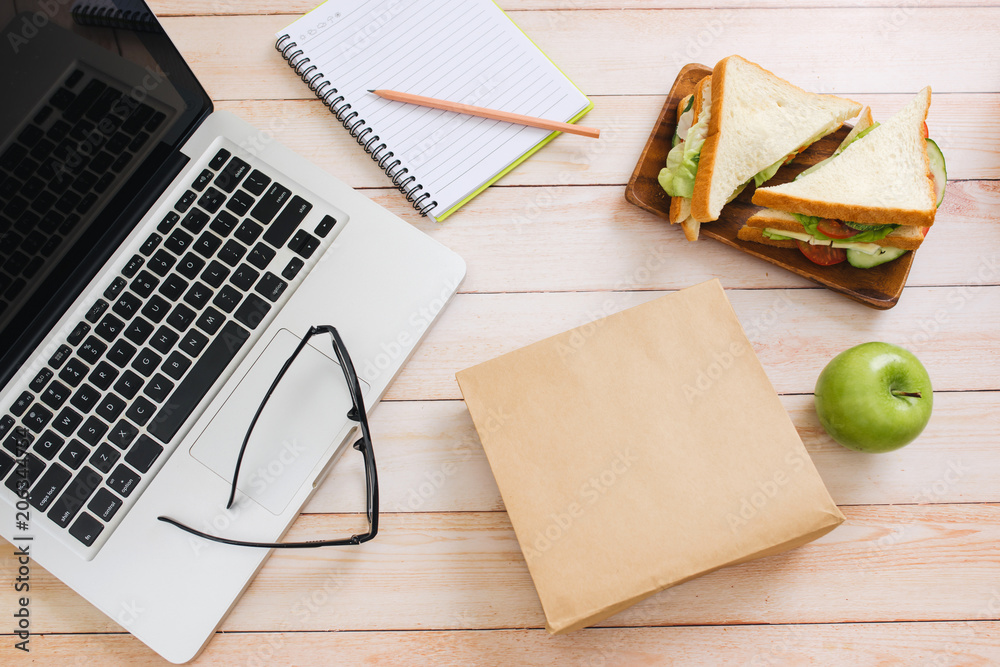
column 96, row 102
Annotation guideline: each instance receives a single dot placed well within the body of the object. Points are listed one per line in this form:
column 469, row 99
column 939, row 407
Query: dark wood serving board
column 879, row 287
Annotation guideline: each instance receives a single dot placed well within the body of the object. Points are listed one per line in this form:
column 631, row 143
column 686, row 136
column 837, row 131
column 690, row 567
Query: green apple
column 874, row 397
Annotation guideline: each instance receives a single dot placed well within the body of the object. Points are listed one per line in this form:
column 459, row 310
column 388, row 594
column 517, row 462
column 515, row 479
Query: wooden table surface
column 912, row 577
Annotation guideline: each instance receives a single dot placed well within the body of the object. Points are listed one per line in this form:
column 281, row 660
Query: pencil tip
column 371, row 91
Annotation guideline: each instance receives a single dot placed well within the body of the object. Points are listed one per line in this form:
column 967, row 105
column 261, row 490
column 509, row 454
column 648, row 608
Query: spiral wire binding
column 338, row 106
column 110, row 17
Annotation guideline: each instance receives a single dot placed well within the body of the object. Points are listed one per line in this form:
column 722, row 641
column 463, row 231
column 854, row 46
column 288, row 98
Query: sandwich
column 868, row 204
column 745, row 123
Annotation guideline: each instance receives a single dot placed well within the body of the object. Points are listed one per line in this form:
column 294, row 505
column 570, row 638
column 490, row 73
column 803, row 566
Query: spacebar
column 199, row 380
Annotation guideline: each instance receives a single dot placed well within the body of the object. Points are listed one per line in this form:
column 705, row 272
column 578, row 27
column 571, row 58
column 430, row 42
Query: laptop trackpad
column 304, row 421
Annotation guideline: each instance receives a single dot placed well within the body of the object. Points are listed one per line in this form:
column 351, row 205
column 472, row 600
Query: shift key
column 286, row 223
column 270, row 203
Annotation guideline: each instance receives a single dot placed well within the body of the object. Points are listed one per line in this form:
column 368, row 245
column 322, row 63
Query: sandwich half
column 682, row 161
column 868, row 204
column 755, row 123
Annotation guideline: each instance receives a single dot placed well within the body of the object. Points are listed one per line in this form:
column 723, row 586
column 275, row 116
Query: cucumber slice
column 863, row 260
column 864, row 228
column 938, row 169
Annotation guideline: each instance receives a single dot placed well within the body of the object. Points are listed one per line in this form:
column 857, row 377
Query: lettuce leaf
column 775, row 237
column 766, row 174
column 677, row 178
column 811, row 222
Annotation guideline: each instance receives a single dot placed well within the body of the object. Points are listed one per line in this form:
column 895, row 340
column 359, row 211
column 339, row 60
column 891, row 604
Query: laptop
column 159, row 262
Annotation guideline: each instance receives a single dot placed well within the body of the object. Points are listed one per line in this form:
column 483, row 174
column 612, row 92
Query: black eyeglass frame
column 363, row 444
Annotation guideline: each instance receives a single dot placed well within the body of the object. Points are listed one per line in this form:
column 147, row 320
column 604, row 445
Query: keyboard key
column 220, row 159
column 195, row 220
column 96, row 311
column 240, row 202
column 36, row 418
column 199, row 380
column 173, row 286
column 168, row 222
column 48, row 445
column 193, row 343
column 271, row 287
column 6, row 424
column 55, row 395
column 303, row 244
column 292, row 269
column 122, row 435
column 158, row 388
column 227, row 299
column 105, row 505
column 184, row 203
column 198, row 296
column 161, row 263
column 74, row 497
column 151, row 244
column 270, row 204
column 146, row 362
column 212, row 200
column 127, row 305
column 104, row 374
column 138, row 331
column 231, row 176
column 84, row 100
column 232, row 253
column 121, row 354
column 51, row 483
column 224, row 223
column 74, row 454
column 22, row 403
column 144, row 284
column 190, row 266
column 248, row 232
column 253, row 311
column 157, row 307
column 203, row 179
column 164, row 340
column 210, row 321
column 287, row 222
column 143, row 454
column 175, row 365
column 26, row 472
column 92, row 350
column 92, row 431
column 256, row 182
column 178, row 242
column 109, row 328
column 110, row 407
column 18, row 441
column 181, row 317
column 325, row 225
column 115, row 288
column 130, row 270
column 244, row 277
column 67, row 421
column 141, row 410
column 215, row 274
column 6, row 464
column 261, row 255
column 207, row 244
column 86, row 397
column 129, row 384
column 41, row 379
column 86, row 529
column 123, row 480
column 81, row 330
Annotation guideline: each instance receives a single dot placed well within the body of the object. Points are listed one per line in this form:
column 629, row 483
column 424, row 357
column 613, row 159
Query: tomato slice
column 835, row 229
column 924, row 128
column 823, row 255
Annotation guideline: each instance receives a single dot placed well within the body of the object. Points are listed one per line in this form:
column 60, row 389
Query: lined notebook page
column 460, row 50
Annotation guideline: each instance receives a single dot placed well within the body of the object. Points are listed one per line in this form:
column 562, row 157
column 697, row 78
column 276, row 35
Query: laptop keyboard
column 93, row 423
column 77, row 144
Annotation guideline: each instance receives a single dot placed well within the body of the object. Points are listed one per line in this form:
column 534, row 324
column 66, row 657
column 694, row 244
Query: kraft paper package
column 629, row 450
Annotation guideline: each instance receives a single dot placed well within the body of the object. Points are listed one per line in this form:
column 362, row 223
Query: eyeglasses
column 363, row 445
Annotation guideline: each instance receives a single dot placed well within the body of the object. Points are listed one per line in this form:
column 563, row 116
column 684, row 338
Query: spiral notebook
column 461, row 50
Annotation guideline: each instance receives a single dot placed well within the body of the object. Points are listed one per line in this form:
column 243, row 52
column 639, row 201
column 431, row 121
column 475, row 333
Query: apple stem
column 912, row 394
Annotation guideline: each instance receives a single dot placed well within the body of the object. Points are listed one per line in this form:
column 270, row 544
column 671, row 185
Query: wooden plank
column 794, row 332
column 230, row 7
column 430, row 459
column 966, row 126
column 640, row 52
column 590, row 238
column 431, row 571
column 968, row 643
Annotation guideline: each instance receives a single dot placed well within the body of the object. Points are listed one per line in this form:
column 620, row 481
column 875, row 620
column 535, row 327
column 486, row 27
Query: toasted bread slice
column 883, row 178
column 906, row 238
column 757, row 119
